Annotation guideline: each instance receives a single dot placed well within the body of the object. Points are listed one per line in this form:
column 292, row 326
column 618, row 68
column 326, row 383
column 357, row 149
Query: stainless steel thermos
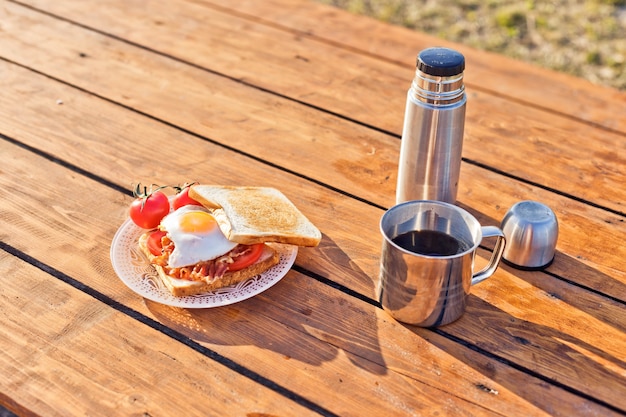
column 432, row 137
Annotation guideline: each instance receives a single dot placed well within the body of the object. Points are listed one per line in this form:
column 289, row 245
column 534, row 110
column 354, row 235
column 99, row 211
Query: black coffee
column 430, row 242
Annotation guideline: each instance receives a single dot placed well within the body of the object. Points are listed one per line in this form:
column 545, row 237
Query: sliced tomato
column 250, row 256
column 154, row 242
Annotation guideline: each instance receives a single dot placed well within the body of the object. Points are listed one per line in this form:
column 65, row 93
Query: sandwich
column 229, row 237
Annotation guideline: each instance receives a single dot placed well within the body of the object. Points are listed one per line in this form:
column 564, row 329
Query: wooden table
column 97, row 96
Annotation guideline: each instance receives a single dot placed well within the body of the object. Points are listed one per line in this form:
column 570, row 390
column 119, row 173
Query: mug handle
column 498, row 250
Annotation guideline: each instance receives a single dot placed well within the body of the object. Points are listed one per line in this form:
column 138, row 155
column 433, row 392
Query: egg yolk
column 197, row 222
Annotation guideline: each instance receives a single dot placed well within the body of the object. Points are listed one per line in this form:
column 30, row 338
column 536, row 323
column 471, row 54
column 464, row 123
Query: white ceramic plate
column 136, row 272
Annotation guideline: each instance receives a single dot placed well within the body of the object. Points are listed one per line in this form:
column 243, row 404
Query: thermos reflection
column 434, row 121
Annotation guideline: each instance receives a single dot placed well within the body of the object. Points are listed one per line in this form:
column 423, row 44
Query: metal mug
column 431, row 289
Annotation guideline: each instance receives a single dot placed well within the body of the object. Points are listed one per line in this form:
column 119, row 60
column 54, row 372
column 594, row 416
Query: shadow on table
column 300, row 318
column 531, row 359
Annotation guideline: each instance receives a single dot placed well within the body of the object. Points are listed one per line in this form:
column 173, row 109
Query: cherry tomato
column 154, row 242
column 148, row 209
column 248, row 258
column 183, row 199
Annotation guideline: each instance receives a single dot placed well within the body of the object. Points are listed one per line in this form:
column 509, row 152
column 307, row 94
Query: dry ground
column 583, row 38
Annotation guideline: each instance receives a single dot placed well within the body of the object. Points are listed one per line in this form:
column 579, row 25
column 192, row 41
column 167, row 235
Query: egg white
column 191, row 248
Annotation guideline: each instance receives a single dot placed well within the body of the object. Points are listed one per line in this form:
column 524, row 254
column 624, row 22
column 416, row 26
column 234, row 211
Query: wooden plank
column 55, row 338
column 340, row 250
column 350, row 366
column 500, row 132
column 486, row 72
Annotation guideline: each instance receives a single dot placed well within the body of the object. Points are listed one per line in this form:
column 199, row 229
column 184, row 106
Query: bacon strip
column 202, row 271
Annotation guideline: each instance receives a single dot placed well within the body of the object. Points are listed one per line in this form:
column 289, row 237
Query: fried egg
column 196, row 236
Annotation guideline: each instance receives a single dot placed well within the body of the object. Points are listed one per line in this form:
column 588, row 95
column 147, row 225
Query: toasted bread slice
column 182, row 287
column 251, row 215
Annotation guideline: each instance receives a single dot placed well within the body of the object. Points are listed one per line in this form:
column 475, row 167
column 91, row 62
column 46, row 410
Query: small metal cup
column 531, row 229
column 430, row 289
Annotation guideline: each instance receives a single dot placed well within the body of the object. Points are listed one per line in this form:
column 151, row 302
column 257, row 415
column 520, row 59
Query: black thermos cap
column 442, row 62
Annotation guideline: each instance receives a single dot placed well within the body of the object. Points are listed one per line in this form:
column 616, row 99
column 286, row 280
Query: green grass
column 583, row 38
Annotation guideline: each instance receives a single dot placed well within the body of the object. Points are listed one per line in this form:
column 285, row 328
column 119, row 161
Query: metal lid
column 441, row 62
column 531, row 230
